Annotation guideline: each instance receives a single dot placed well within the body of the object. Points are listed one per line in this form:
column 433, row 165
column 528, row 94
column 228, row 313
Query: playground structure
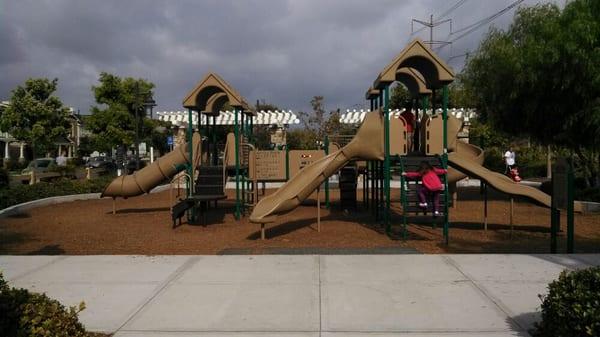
column 378, row 150
column 205, row 177
column 381, row 141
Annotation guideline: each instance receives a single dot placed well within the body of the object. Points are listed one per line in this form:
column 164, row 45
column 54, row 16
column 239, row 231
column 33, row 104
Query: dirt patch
column 142, row 225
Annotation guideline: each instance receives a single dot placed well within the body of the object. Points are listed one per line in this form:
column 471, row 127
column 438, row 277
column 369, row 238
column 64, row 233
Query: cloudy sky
column 280, row 51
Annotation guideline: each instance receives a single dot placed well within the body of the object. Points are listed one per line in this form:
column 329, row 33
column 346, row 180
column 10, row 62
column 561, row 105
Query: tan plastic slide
column 463, row 160
column 146, row 179
column 366, row 145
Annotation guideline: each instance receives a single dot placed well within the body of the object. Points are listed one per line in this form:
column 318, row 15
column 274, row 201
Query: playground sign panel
column 270, row 165
column 302, row 158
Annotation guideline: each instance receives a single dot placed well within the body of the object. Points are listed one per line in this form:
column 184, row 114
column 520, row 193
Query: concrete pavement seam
column 320, row 301
column 485, row 293
column 51, row 262
column 160, row 288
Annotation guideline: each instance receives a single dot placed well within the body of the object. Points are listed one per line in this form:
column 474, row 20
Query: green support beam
column 386, row 162
column 236, row 132
column 326, row 145
column 445, row 159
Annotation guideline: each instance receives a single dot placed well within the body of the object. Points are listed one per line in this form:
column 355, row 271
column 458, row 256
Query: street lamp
column 147, row 105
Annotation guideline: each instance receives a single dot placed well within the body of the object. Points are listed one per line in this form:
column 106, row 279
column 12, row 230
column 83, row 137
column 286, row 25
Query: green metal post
column 570, row 208
column 326, row 145
column 554, row 225
column 215, row 149
column 287, row 163
column 242, row 124
column 373, row 188
column 403, row 199
column 425, row 103
column 445, row 159
column 190, row 166
column 386, row 162
column 236, row 133
column 376, row 189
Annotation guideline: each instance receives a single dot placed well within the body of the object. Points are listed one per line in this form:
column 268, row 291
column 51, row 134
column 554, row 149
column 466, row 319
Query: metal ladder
column 410, row 200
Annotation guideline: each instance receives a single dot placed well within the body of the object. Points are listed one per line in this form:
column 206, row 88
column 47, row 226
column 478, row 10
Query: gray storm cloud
column 283, row 52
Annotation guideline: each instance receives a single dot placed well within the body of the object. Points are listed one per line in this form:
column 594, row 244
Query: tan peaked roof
column 418, row 56
column 215, row 103
column 209, row 86
column 372, row 93
column 413, row 81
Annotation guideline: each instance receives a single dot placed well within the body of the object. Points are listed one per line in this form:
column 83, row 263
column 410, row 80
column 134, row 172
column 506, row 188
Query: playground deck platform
column 298, row 295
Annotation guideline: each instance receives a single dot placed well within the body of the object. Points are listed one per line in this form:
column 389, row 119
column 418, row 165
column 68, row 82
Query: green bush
column 28, row 314
column 4, row 178
column 572, row 306
column 588, row 194
column 22, row 193
column 15, row 165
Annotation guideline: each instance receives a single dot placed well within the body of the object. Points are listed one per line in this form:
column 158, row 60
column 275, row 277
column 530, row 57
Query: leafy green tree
column 540, row 78
column 399, row 97
column 301, row 139
column 35, row 115
column 113, row 120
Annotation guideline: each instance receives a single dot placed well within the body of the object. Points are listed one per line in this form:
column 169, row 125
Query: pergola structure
column 278, row 117
column 357, row 116
column 422, row 72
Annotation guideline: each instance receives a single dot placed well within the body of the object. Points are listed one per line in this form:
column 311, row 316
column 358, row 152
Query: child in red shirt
column 431, row 184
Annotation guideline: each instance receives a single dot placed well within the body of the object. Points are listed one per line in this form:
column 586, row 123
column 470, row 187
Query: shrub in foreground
column 22, row 193
column 28, row 314
column 572, row 306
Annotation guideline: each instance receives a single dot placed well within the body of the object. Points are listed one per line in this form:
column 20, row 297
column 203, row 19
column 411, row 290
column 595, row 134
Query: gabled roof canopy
column 418, row 56
column 413, row 81
column 372, row 93
column 212, row 93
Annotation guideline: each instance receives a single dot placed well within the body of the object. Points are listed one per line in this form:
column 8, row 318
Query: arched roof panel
column 416, row 55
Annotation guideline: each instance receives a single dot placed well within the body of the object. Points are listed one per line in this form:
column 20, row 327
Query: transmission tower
column 431, row 24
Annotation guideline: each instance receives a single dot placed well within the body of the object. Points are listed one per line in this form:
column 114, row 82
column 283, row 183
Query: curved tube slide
column 366, row 145
column 144, row 180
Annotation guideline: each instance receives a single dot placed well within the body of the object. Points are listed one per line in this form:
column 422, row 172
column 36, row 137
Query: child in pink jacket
column 431, row 184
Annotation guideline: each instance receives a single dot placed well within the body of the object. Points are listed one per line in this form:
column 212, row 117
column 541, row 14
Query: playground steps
column 208, row 187
column 347, row 184
column 411, row 209
column 179, row 209
column 210, row 182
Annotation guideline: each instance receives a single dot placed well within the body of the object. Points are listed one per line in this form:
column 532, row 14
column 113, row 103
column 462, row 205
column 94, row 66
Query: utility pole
column 431, row 24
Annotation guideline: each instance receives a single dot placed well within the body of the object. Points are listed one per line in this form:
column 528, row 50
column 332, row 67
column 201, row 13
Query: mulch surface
column 142, row 225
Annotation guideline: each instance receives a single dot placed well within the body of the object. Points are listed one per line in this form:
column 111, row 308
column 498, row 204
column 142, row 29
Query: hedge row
column 22, row 193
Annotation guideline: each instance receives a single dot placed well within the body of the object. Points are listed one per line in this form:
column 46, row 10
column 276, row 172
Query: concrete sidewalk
column 277, row 295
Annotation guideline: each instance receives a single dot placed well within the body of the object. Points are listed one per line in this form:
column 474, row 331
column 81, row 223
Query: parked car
column 41, row 165
column 101, row 162
column 131, row 165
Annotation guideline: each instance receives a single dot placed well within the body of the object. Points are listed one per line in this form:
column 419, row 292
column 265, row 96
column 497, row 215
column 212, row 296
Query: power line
column 474, row 26
column 451, row 9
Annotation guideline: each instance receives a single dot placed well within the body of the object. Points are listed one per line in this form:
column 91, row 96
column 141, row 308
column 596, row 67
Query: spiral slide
column 144, row 180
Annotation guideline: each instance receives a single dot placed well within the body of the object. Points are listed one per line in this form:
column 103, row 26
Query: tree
column 113, row 121
column 399, row 97
column 540, row 78
column 35, row 115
